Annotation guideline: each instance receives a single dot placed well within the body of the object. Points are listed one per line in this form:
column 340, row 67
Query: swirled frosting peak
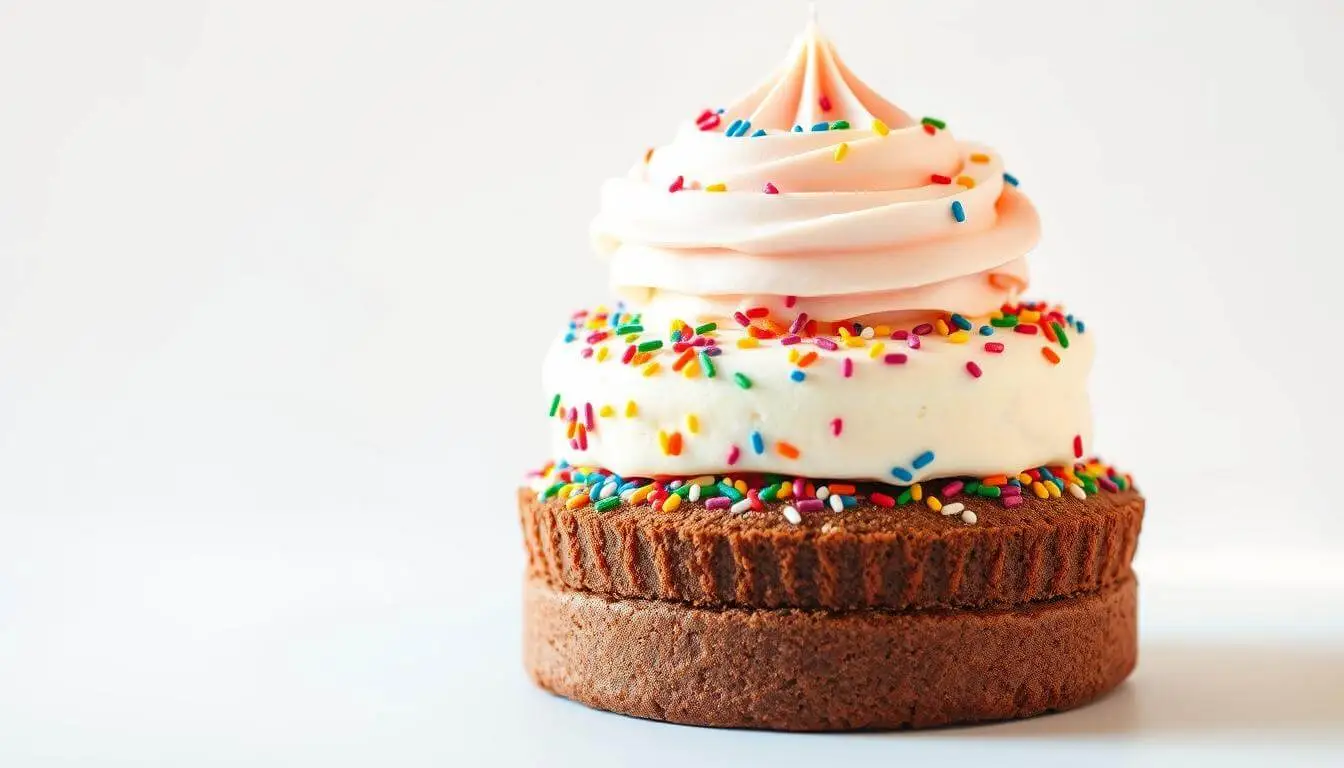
column 813, row 189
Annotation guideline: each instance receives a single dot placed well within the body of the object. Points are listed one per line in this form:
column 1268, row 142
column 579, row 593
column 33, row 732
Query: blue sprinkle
column 797, row 375
column 797, row 128
column 595, row 492
column 958, row 212
column 821, row 127
column 1081, row 327
column 902, row 474
column 1010, row 178
column 1047, row 474
column 986, row 330
column 1069, row 318
column 1015, row 482
column 848, row 501
column 732, row 129
column 676, row 336
column 961, row 322
column 569, row 337
column 757, row 443
column 595, row 478
column 627, row 486
column 562, row 464
column 759, row 132
column 743, row 128
column 1059, row 482
column 922, row 460
column 719, row 111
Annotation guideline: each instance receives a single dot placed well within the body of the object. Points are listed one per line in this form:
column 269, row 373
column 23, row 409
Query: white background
column 276, row 279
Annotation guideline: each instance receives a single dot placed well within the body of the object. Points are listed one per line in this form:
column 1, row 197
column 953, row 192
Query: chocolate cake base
column 819, row 670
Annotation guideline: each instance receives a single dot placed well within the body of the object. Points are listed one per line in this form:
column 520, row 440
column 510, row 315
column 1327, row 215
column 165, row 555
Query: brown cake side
column 865, row 557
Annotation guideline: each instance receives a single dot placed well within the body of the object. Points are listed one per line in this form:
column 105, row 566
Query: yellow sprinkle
column 855, row 341
column 880, row 128
column 691, row 369
column 917, row 492
column 741, row 486
column 602, row 353
column 571, row 429
column 1053, row 489
column 979, row 157
column 567, row 489
column 996, row 315
column 941, row 325
column 575, row 502
column 652, row 368
column 840, row 151
column 663, row 440
column 959, row 337
column 785, row 491
column 631, row 410
column 876, row 350
column 934, row 503
column 693, row 423
column 671, row 503
column 1028, row 316
column 966, row 181
column 720, row 187
column 642, row 493
column 630, row 338
column 1039, row 490
column 1023, row 477
column 793, row 354
column 844, row 332
column 606, row 412
column 747, row 342
column 882, row 330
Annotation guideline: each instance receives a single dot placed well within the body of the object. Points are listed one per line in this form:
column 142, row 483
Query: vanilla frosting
column 820, row 207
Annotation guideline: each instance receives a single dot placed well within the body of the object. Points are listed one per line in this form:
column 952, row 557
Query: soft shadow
column 1196, row 688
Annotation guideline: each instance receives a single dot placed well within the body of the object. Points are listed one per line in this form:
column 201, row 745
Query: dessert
column 822, row 467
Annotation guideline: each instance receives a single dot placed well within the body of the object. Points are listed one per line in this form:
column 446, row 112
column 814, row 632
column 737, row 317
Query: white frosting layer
column 1022, row 412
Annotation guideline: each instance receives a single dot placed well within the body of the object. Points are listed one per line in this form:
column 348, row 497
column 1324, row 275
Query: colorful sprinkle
column 973, row 369
column 742, row 380
column 922, row 460
column 841, row 150
column 958, row 212
column 757, row 443
column 677, row 184
column 935, row 122
column 770, row 189
column 880, row 128
column 1049, row 354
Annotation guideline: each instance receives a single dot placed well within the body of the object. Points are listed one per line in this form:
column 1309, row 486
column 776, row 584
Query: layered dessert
column 820, row 465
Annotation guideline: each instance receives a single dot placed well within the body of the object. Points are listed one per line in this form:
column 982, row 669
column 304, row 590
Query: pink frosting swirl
column 862, row 223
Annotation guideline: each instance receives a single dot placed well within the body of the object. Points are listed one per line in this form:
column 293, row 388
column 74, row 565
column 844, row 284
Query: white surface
column 255, row 503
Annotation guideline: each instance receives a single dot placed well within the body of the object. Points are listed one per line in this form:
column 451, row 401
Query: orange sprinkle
column 674, row 444
column 976, row 157
column 941, row 325
column 1049, row 354
column 966, row 181
column 641, row 358
column 757, row 332
column 649, row 155
column 774, row 326
column 842, row 489
column 807, row 359
column 684, row 359
column 995, row 480
column 787, row 450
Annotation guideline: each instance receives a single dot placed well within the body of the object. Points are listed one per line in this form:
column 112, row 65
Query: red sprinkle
column 825, row 103
column 1078, row 446
column 896, row 358
column 755, row 499
column 713, row 122
column 629, row 354
column 789, row 301
column 882, row 499
column 938, row 178
column 1030, row 330
column 1049, row 354
column 929, row 129
column 900, row 335
column 758, row 312
column 771, row 189
column 848, row 368
column 837, row 424
column 994, row 346
column 741, row 319
column 588, row 416
column 973, row 369
column 923, row 329
column 677, row 185
column 733, row 454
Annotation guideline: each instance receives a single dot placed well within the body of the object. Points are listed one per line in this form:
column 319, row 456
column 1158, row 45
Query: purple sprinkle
column 713, row 351
column 913, row 342
column 718, row 502
column 798, row 323
column 953, row 488
column 900, row 335
column 1011, row 501
column 1008, row 489
column 895, row 359
column 810, row 505
column 826, row 343
column 923, row 329
column 1108, row 484
column 788, row 340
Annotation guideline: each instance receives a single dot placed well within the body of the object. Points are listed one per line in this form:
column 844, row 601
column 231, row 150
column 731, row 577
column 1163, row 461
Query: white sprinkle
column 1077, row 491
column 791, row 515
column 674, row 485
column 953, row 508
column 694, row 493
column 629, row 492
column 867, row 333
column 823, row 492
column 968, row 517
column 740, row 507
column 576, row 490
column 608, row 489
column 837, row 503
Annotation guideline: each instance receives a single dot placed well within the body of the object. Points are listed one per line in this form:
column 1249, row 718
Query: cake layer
column 906, row 557
column 901, row 406
column 815, row 670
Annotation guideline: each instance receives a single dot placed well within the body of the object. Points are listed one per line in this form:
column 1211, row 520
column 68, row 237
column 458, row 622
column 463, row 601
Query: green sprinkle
column 1119, row 481
column 683, row 490
column 608, row 503
column 707, row 363
column 730, row 492
column 709, row 491
column 549, row 492
column 1007, row 321
column 555, row 403
column 742, row 380
column 624, row 329
column 839, row 125
column 971, row 487
column 905, row 496
column 935, row 122
column 706, row 328
column 649, row 346
column 1059, row 334
column 768, row 493
column 989, row 491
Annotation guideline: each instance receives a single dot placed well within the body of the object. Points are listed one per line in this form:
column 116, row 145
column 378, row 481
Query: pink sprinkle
column 574, row 443
column 824, row 103
column 718, row 502
column 1011, row 501
column 953, row 488
column 895, row 358
column 994, row 346
column 733, row 453
column 900, row 335
column 1008, row 489
column 741, row 319
column 923, row 329
column 798, row 323
column 1030, row 330
column 810, row 505
column 789, row 340
column 913, row 341
column 677, row 185
column 710, row 123
column 1078, row 446
column 789, row 301
column 701, row 341
column 973, row 369
column 771, row 189
column 826, row 344
column 586, row 353
column 573, row 415
column 848, row 368
column 755, row 500
column 798, row 488
column 837, row 424
column 1108, row 484
column 588, row 416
